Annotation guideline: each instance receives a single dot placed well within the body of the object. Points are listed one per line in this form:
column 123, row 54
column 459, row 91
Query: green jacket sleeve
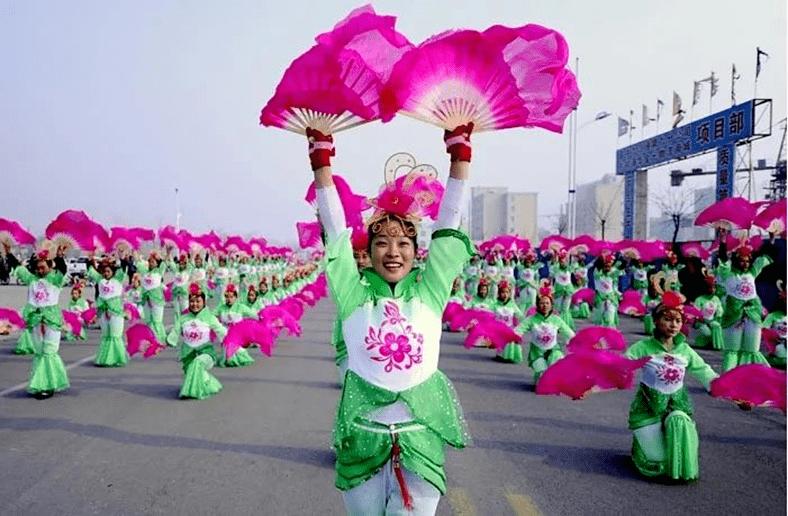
column 700, row 369
column 343, row 278
column 449, row 250
column 24, row 275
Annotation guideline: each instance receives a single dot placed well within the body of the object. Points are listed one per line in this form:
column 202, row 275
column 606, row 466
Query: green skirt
column 240, row 358
column 513, row 353
column 111, row 353
column 24, row 345
column 47, row 374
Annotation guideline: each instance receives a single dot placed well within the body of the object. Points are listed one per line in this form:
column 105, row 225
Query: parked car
column 76, row 268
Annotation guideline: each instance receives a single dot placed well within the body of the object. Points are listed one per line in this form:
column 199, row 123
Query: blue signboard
column 629, row 203
column 717, row 130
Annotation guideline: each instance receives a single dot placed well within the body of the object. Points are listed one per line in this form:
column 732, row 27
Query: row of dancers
column 195, row 326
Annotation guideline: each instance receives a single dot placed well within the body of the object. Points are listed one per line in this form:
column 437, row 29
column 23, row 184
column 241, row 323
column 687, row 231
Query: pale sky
column 108, row 106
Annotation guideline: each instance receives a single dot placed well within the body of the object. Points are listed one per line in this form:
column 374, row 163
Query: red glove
column 458, row 142
column 321, row 148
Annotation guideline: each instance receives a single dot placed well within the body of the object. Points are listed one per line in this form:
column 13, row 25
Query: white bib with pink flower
column 640, row 274
column 151, row 281
column 604, row 285
column 230, row 318
column 664, row 373
column 393, row 344
column 181, row 278
column 109, row 288
column 741, row 286
column 563, row 278
column 42, row 293
column 544, row 336
column 195, row 333
column 505, row 315
column 528, row 275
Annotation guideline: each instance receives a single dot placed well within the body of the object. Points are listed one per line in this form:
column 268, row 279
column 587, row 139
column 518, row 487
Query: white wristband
column 452, row 204
column 332, row 215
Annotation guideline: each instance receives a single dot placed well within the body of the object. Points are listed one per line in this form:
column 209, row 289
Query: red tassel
column 407, row 499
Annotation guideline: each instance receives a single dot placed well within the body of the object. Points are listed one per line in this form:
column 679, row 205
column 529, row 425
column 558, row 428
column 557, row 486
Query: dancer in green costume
column 109, row 310
column 507, row 312
column 665, row 441
column 44, row 319
column 544, row 327
column 397, row 411
column 742, row 318
column 229, row 313
column 197, row 354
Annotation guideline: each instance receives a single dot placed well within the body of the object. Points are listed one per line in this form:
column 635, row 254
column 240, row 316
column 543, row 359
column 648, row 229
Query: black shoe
column 43, row 395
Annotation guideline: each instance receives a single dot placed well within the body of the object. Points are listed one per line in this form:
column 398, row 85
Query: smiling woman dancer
column 397, row 410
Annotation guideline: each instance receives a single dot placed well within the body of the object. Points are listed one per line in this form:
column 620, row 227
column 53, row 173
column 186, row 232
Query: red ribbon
column 407, row 499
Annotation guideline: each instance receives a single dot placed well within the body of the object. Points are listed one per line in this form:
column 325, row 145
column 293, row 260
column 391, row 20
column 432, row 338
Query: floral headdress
column 484, row 281
column 545, row 291
column 410, row 197
column 195, row 289
column 671, row 301
column 231, row 288
column 504, row 284
column 608, row 258
column 359, row 238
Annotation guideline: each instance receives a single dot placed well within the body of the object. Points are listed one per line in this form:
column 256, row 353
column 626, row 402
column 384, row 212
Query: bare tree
column 678, row 204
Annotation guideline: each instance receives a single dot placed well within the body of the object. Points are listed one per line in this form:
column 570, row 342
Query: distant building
column 496, row 211
column 600, row 204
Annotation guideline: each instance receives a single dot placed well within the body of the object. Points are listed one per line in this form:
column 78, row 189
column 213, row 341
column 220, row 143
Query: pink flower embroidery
column 106, row 289
column 40, row 294
column 399, row 347
column 669, row 373
column 745, row 289
column 545, row 336
column 148, row 281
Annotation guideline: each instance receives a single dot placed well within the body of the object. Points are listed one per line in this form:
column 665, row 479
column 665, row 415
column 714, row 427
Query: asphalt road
column 120, row 442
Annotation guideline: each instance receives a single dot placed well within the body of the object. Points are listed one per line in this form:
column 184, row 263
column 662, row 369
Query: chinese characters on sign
column 719, row 131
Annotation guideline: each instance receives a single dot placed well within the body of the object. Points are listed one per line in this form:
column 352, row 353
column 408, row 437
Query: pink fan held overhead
column 74, row 228
column 731, row 212
column 13, row 234
column 336, row 84
column 502, row 78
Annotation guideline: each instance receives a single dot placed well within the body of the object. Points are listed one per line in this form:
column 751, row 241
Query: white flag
column 676, row 104
column 696, row 92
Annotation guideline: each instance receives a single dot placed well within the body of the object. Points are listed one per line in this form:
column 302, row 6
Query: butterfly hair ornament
column 411, row 193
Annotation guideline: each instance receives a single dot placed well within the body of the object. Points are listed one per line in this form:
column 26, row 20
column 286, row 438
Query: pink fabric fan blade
column 754, row 384
column 732, row 211
column 72, row 321
column 597, row 338
column 131, row 311
column 632, row 304
column 75, row 228
column 583, row 295
column 537, row 57
column 578, row 374
column 139, row 336
column 308, row 234
column 772, row 218
column 12, row 317
column 89, row 315
column 12, row 233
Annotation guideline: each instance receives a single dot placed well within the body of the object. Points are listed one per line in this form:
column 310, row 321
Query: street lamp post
column 572, row 200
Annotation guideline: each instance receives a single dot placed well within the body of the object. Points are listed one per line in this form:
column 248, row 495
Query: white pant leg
column 115, row 324
column 381, row 496
column 651, row 441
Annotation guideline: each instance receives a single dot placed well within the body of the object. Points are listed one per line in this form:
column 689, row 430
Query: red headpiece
column 231, row 288
column 672, row 301
column 195, row 289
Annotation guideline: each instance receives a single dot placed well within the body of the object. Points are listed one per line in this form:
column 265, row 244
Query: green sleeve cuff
column 448, row 232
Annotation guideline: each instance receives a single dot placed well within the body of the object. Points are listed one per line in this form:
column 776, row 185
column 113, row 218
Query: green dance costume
column 666, row 440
